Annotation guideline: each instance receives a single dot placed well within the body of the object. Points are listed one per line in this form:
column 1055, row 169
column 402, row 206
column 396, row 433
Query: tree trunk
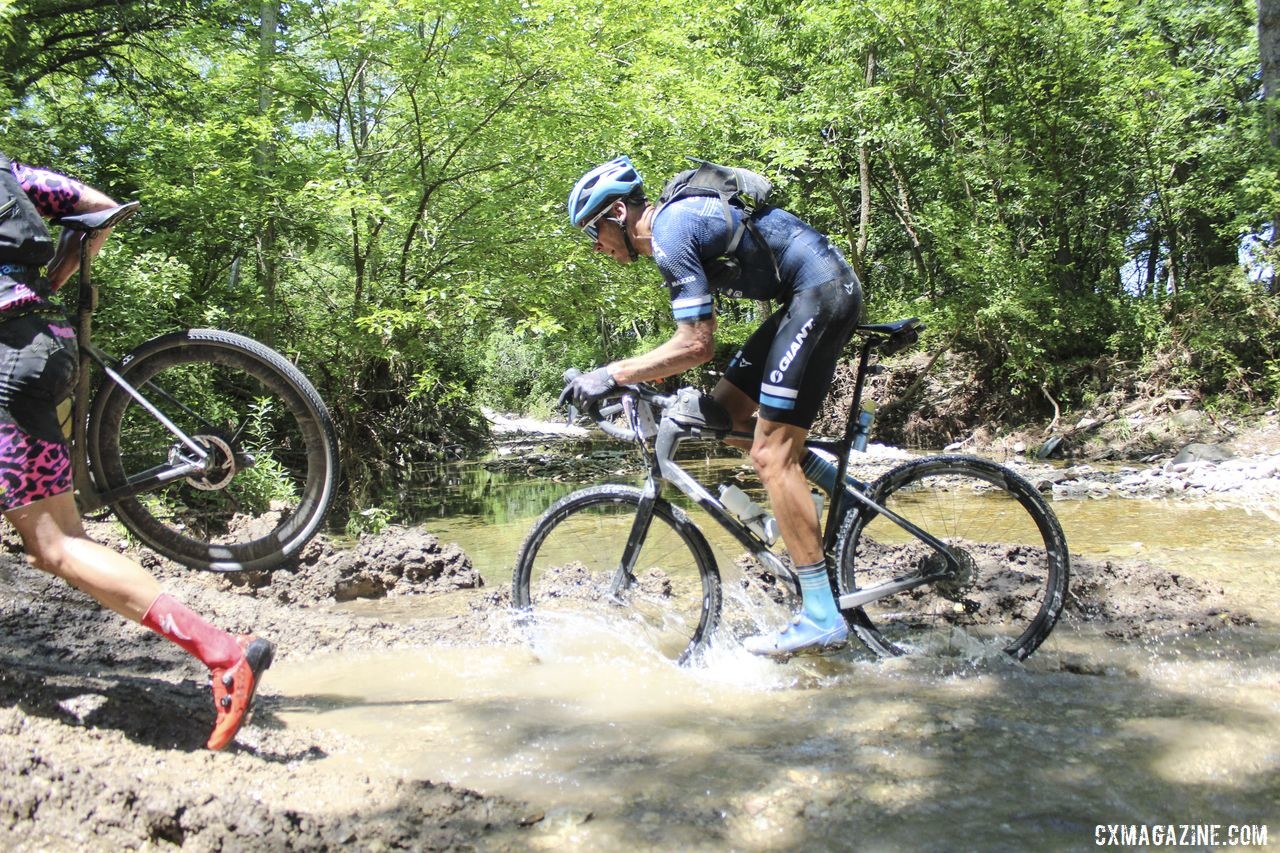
column 864, row 181
column 1269, row 53
column 266, row 157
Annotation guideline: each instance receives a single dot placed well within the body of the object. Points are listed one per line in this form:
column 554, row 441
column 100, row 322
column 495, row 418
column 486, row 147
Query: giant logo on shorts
column 776, row 376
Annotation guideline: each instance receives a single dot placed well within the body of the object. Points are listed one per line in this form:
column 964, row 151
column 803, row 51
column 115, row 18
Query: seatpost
column 86, row 301
column 846, row 442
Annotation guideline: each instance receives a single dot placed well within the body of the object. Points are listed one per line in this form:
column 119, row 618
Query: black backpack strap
column 755, row 232
column 742, row 226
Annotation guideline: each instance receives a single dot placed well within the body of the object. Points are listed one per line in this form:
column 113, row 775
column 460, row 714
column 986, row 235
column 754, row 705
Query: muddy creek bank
column 101, row 723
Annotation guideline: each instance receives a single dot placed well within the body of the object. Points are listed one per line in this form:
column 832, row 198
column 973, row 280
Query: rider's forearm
column 692, row 344
column 66, row 260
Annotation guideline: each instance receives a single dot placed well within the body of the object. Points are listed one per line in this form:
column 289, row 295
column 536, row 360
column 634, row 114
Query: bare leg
column 776, row 455
column 741, row 409
column 776, row 452
column 55, row 542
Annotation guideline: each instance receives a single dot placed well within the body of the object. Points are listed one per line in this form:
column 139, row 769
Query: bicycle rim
column 568, row 564
column 1007, row 591
column 275, row 456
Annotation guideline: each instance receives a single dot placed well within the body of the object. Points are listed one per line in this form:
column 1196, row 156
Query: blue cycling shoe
column 802, row 635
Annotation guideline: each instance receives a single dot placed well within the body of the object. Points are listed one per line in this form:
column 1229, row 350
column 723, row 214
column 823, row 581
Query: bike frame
column 88, row 496
column 660, row 458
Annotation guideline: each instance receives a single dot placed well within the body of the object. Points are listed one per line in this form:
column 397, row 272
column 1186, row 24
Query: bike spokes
column 1001, row 588
column 597, row 561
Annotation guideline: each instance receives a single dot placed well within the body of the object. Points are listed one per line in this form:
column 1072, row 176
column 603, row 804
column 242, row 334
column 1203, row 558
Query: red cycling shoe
column 233, row 688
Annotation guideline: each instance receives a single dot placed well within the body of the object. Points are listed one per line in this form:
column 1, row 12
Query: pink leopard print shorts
column 38, row 363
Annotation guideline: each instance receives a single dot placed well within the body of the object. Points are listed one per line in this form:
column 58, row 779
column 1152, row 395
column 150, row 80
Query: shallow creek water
column 618, row 749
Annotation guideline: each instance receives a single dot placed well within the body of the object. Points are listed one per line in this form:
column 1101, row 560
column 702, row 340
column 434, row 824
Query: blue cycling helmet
column 599, row 188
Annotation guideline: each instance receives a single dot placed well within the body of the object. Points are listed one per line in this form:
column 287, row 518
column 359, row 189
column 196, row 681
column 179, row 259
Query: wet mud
column 102, row 723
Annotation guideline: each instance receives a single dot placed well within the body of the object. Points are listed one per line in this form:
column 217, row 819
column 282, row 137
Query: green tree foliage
column 377, row 188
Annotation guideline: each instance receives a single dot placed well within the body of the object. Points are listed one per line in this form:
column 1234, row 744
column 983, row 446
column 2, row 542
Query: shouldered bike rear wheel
column 568, row 567
column 274, row 453
column 1008, row 589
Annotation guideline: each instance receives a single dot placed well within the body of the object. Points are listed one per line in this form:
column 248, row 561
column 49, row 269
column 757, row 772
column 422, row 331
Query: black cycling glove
column 585, row 387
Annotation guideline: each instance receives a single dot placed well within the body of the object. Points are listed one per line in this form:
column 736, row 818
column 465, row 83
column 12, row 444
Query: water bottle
column 817, row 504
column 752, row 514
column 865, row 418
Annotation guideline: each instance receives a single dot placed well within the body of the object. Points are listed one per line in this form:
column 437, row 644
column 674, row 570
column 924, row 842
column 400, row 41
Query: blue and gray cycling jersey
column 691, row 231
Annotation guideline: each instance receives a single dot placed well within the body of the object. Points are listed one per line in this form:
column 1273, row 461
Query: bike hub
column 220, row 464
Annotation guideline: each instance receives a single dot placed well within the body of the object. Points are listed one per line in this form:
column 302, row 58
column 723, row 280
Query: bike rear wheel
column 274, row 453
column 1013, row 562
column 569, row 566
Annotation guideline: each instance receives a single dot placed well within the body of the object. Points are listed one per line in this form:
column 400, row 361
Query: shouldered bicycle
column 210, row 447
column 941, row 554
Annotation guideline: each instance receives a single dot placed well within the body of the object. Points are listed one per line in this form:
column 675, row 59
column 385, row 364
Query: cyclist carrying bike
column 783, row 370
column 38, row 367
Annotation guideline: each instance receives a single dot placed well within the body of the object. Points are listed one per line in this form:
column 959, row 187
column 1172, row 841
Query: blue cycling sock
column 819, row 604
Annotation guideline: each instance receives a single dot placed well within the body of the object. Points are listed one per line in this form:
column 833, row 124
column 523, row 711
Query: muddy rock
column 1137, row 600
column 399, row 561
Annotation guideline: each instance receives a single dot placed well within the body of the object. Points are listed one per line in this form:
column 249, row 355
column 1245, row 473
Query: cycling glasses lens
column 592, row 226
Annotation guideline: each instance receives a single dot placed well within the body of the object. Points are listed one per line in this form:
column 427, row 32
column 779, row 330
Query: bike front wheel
column 272, row 453
column 570, row 566
column 1007, row 587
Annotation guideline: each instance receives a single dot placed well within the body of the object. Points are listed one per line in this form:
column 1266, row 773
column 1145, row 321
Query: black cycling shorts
column 38, row 364
column 787, row 364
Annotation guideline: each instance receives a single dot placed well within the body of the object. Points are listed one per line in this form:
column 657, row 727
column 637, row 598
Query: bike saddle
column 897, row 335
column 98, row 219
column 696, row 409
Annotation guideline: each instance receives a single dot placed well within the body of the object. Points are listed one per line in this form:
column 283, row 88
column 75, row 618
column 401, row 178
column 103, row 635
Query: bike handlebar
column 884, row 338
column 602, row 410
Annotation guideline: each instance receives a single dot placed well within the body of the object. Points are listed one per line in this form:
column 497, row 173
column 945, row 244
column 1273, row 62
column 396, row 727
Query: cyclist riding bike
column 783, row 370
column 38, row 367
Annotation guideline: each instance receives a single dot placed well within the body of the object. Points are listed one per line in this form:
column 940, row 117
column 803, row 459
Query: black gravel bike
column 211, row 448
column 945, row 554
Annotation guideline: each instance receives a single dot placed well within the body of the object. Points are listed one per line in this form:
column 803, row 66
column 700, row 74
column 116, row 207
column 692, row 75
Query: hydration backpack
column 741, row 188
column 24, row 237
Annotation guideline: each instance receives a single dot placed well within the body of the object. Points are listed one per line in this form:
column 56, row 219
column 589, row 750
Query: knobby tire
column 1010, row 589
column 570, row 559
column 231, row 393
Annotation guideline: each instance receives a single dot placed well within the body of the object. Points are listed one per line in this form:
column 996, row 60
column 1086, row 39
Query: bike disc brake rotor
column 220, row 467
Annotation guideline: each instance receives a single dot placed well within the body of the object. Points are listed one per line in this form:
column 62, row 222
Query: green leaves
column 379, row 185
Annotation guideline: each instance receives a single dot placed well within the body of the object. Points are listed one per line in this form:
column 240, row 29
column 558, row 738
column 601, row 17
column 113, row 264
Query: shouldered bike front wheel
column 1007, row 586
column 570, row 565
column 273, row 453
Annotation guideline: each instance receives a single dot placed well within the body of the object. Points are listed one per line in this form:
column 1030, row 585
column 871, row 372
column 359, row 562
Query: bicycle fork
column 625, row 574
